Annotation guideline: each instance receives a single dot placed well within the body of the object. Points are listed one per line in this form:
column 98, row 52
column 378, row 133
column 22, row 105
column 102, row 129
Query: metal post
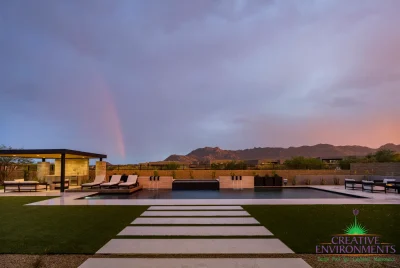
column 62, row 173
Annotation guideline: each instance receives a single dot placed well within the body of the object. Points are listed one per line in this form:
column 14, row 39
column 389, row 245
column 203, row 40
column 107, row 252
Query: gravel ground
column 317, row 261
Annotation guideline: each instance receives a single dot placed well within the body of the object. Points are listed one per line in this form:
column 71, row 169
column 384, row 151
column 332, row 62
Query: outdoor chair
column 131, row 181
column 115, row 180
column 370, row 185
column 97, row 181
column 351, row 184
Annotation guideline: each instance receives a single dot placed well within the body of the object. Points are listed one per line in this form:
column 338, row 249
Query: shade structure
column 52, row 154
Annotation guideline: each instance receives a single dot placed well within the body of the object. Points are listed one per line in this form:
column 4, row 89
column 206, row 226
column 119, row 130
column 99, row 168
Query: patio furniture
column 387, row 184
column 21, row 185
column 132, row 180
column 351, row 184
column 115, row 180
column 395, row 186
column 97, row 181
column 370, row 185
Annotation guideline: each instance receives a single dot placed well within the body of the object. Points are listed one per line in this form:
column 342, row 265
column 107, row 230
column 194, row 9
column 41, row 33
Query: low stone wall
column 165, row 182
column 385, row 169
column 225, row 182
column 330, row 179
column 208, row 174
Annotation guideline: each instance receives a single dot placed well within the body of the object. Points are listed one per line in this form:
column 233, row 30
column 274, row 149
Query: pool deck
column 71, row 199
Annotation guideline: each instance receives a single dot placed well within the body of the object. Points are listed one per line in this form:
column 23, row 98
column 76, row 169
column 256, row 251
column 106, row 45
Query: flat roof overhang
column 49, row 154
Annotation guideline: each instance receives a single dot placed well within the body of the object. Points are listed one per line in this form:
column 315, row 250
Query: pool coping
column 71, row 199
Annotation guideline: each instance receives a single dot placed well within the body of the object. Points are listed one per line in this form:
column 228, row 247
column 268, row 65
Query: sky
column 141, row 80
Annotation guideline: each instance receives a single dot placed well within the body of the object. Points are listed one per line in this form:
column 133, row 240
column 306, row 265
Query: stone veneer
column 73, row 167
column 43, row 169
column 385, row 169
column 101, row 168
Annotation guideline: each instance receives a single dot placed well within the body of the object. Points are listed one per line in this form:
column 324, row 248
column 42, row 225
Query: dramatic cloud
column 140, row 80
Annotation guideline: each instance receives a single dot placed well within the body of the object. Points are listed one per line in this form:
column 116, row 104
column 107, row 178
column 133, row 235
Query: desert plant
column 213, row 174
column 191, row 174
column 254, row 173
column 308, row 181
column 294, row 181
column 336, row 181
column 155, row 172
column 232, row 173
column 322, row 181
column 173, row 174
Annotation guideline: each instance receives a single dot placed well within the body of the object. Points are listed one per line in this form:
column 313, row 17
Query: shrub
column 213, row 174
column 336, row 181
column 191, row 174
column 294, row 181
column 155, row 172
column 323, row 182
column 232, row 173
column 173, row 174
column 308, row 181
column 172, row 166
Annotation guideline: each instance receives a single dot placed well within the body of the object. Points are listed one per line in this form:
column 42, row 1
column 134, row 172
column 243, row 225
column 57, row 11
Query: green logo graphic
column 355, row 228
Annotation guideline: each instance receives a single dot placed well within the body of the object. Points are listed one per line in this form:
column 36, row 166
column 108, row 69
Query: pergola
column 44, row 154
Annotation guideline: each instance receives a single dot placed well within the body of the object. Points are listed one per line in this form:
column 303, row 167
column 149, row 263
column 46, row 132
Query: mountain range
column 319, row 150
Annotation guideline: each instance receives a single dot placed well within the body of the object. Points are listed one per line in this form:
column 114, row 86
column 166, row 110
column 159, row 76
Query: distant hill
column 319, row 150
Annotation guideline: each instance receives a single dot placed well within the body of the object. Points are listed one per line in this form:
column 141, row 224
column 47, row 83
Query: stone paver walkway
column 161, row 221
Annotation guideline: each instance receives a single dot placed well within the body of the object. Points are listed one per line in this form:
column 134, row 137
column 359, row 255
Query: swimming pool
column 268, row 193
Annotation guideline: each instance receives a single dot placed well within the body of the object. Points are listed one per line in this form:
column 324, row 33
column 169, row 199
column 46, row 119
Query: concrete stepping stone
column 194, row 246
column 195, row 263
column 195, row 213
column 208, row 220
column 195, row 208
column 195, row 231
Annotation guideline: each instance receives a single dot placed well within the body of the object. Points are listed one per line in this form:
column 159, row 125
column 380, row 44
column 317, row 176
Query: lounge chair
column 115, row 179
column 97, row 181
column 351, row 183
column 131, row 181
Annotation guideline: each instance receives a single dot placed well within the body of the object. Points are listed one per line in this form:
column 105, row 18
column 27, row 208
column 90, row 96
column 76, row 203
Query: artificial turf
column 59, row 229
column 302, row 227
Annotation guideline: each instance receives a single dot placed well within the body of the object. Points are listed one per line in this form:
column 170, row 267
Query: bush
column 213, row 174
column 308, row 181
column 155, row 172
column 172, row 166
column 323, row 181
column 336, row 181
column 191, row 174
column 301, row 162
column 173, row 174
column 294, row 181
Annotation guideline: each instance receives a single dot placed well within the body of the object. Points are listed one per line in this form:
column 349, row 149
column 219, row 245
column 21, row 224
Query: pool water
column 270, row 193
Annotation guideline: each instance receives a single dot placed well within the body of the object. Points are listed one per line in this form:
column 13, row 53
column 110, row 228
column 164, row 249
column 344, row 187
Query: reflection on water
column 265, row 193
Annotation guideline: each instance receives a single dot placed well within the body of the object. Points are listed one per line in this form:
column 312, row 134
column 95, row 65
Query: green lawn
column 303, row 227
column 59, row 229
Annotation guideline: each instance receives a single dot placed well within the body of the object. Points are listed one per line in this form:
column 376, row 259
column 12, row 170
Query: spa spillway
column 192, row 184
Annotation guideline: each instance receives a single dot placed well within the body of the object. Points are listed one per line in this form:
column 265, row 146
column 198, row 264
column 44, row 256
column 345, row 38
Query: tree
column 8, row 165
column 172, row 166
column 385, row 155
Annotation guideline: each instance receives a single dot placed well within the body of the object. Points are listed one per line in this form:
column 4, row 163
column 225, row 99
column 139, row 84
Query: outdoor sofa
column 381, row 186
column 21, row 185
column 97, row 181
